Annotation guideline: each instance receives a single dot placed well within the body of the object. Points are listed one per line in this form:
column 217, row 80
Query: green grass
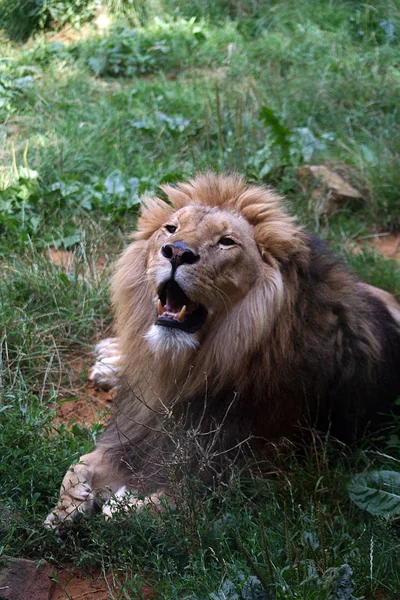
column 88, row 125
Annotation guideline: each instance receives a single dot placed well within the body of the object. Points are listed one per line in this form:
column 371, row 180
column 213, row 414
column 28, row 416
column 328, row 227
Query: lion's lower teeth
column 181, row 315
column 178, row 316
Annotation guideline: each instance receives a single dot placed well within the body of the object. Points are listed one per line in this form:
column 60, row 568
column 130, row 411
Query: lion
column 235, row 327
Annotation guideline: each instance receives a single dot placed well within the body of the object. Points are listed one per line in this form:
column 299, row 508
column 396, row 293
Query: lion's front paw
column 76, row 497
column 125, row 500
column 104, row 373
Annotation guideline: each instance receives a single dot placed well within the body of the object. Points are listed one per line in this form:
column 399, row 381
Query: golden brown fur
column 290, row 338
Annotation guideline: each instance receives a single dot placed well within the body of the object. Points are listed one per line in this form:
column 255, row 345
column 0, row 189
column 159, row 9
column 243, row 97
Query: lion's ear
column 280, row 240
column 153, row 215
column 276, row 232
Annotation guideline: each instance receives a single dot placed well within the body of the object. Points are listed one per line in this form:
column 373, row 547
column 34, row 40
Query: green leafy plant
column 377, row 492
column 14, row 81
column 161, row 123
column 283, row 147
column 26, row 204
column 128, row 52
column 20, row 202
column 23, row 18
column 113, row 196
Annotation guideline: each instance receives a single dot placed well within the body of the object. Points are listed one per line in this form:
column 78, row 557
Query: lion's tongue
column 171, row 306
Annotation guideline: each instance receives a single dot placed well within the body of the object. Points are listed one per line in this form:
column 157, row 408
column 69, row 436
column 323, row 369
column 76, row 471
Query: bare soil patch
column 73, row 584
column 388, row 245
column 66, row 259
column 80, row 401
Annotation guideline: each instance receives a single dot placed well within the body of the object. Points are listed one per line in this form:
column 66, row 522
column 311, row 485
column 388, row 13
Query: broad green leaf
column 389, row 28
column 98, row 63
column 25, row 173
column 307, row 143
column 133, row 183
column 377, row 492
column 368, row 155
column 114, row 183
column 339, row 581
column 280, row 133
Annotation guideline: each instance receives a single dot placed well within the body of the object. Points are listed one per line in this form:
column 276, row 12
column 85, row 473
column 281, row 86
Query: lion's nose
column 179, row 253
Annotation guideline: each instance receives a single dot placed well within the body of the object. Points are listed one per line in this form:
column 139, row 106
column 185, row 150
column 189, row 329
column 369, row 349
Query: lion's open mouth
column 175, row 309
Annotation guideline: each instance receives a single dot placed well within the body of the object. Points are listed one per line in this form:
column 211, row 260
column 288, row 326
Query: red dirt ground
column 387, row 245
column 81, row 401
column 74, row 585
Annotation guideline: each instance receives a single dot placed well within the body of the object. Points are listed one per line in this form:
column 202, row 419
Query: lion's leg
column 104, row 373
column 92, row 480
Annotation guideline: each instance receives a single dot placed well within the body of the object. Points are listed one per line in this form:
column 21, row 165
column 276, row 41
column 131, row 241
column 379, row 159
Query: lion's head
column 201, row 263
column 203, row 275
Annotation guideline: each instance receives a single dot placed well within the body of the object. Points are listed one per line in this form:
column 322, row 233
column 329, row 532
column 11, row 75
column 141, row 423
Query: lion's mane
column 307, row 346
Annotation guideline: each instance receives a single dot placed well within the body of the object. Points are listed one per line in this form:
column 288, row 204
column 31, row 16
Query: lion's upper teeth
column 160, row 308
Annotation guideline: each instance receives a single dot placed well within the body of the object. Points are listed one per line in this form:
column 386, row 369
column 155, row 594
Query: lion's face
column 201, row 262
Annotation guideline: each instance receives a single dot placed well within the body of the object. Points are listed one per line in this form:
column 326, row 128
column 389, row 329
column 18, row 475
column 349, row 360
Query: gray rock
column 21, row 579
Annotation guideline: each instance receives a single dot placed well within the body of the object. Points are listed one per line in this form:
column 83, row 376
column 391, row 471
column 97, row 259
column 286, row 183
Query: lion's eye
column 171, row 228
column 227, row 241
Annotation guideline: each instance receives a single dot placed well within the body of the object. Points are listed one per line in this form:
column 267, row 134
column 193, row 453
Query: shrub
column 21, row 19
column 129, row 52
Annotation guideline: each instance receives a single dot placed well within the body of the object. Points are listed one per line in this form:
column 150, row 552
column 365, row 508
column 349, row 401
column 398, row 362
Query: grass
column 89, row 120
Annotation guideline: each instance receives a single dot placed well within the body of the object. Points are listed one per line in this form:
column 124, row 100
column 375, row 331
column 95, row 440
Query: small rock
column 20, row 579
column 330, row 190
